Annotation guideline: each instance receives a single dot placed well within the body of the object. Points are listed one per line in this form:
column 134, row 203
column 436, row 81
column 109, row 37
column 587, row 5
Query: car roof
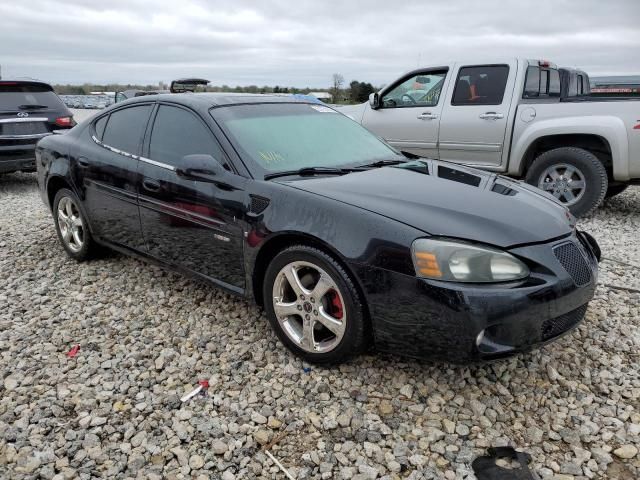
column 219, row 99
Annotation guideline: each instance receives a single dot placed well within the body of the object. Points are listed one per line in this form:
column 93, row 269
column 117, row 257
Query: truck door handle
column 151, row 185
column 491, row 115
column 83, row 162
column 427, row 116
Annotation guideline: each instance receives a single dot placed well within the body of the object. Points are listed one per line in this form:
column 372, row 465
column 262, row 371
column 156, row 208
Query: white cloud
column 302, row 43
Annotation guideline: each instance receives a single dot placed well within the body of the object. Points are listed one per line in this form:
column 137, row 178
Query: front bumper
column 468, row 322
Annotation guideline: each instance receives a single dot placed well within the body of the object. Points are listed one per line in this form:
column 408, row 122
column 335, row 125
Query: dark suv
column 29, row 110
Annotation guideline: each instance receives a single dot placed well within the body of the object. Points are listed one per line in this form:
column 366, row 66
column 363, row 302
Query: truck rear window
column 28, row 96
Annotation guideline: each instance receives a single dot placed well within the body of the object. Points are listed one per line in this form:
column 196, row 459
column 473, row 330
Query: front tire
column 313, row 306
column 576, row 177
column 71, row 226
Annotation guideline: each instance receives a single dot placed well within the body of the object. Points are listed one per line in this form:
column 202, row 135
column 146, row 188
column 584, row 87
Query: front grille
column 23, row 128
column 573, row 261
column 555, row 326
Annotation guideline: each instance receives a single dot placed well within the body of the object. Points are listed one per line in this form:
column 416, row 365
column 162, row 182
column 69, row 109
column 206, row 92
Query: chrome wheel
column 70, row 224
column 309, row 307
column 563, row 181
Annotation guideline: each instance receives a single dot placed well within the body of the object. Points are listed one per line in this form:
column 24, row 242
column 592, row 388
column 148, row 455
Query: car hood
column 449, row 200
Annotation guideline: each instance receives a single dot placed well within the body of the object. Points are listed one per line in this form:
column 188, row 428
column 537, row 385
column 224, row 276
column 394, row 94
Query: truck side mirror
column 374, row 101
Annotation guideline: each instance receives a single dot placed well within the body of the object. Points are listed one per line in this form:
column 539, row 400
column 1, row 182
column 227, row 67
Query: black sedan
column 346, row 242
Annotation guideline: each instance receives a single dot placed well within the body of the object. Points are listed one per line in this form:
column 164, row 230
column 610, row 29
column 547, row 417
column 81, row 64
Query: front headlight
column 464, row 262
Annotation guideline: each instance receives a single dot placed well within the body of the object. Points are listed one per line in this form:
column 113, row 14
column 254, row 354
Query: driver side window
column 421, row 90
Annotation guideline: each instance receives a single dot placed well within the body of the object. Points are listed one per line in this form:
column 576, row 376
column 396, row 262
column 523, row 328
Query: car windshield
column 23, row 96
column 289, row 136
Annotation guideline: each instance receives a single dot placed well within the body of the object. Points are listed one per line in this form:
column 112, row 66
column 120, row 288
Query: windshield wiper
column 309, row 171
column 383, row 163
column 32, row 107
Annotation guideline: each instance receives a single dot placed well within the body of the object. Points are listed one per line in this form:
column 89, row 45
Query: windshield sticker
column 271, row 158
column 323, row 109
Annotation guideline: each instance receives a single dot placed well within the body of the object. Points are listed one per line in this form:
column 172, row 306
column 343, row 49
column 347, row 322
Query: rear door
column 191, row 224
column 107, row 171
column 409, row 116
column 474, row 121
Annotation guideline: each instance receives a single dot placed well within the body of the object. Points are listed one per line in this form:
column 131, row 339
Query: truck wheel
column 614, row 190
column 574, row 176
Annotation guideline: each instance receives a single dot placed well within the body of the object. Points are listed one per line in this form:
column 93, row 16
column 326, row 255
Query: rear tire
column 573, row 175
column 71, row 226
column 614, row 190
column 313, row 306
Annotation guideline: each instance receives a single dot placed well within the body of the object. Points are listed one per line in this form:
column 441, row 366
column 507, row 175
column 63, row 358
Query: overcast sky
column 302, row 43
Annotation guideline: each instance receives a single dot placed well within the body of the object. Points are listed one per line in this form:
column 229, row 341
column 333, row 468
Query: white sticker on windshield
column 323, row 109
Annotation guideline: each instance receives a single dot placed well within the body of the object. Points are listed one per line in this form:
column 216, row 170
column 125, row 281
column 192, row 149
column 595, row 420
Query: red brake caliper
column 336, row 305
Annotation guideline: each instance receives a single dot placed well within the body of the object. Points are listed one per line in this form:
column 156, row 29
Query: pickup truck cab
column 509, row 116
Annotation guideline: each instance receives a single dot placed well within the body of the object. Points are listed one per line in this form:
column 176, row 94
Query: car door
column 409, row 113
column 108, row 170
column 191, row 224
column 474, row 122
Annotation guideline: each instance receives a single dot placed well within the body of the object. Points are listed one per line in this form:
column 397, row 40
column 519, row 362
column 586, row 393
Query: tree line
column 355, row 92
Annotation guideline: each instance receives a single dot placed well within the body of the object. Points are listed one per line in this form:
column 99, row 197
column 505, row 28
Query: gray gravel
column 147, row 336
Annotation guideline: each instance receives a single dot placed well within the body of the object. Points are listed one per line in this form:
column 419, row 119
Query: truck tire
column 614, row 190
column 573, row 175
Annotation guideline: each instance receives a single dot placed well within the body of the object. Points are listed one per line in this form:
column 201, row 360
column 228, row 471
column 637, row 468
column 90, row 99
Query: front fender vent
column 258, row 204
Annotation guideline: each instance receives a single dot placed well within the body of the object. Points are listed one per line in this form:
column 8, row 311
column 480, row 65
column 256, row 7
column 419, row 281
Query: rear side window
column 554, row 83
column 28, row 97
column 532, row 83
column 178, row 132
column 542, row 82
column 481, row 85
column 125, row 128
column 99, row 126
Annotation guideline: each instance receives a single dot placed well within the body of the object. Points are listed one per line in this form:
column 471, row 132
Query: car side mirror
column 374, row 101
column 201, row 167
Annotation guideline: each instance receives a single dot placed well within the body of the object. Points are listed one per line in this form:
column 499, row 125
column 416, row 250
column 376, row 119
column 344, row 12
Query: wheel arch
column 281, row 241
column 595, row 144
column 55, row 184
column 605, row 137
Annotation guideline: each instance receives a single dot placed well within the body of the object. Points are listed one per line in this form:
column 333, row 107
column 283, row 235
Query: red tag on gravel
column 204, row 383
column 73, row 352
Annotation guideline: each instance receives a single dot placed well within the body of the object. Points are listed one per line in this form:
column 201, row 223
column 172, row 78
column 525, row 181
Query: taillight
column 65, row 122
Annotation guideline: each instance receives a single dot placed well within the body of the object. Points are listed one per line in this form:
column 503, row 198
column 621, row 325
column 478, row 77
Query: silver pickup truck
column 509, row 116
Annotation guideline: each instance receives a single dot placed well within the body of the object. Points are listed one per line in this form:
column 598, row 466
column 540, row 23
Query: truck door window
column 421, row 90
column 481, row 85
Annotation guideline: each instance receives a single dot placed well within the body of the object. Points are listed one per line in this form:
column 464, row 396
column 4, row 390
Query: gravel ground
column 147, row 336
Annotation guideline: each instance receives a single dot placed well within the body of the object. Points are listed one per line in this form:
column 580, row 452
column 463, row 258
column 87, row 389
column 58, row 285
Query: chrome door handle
column 427, row 116
column 151, row 185
column 491, row 116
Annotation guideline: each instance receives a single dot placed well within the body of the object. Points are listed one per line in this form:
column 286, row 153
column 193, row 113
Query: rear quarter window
column 100, row 125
